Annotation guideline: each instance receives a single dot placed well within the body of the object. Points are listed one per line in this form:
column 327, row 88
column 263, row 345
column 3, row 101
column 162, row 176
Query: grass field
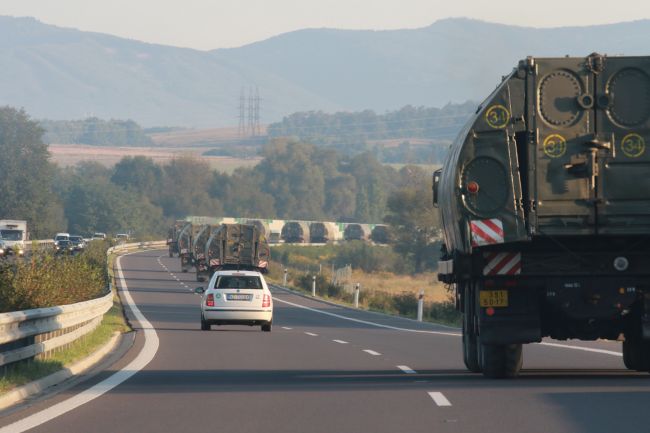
column 70, row 154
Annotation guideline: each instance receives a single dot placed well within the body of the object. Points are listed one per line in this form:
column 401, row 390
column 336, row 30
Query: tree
column 414, row 221
column 140, row 174
column 25, row 174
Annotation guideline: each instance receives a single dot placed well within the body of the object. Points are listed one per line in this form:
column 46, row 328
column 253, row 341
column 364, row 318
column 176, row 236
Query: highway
column 325, row 369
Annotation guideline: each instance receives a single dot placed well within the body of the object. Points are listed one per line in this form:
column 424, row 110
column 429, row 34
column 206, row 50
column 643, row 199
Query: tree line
column 295, row 180
column 355, row 132
column 95, row 131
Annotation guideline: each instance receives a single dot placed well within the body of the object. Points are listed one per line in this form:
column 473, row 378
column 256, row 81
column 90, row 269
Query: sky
column 210, row 24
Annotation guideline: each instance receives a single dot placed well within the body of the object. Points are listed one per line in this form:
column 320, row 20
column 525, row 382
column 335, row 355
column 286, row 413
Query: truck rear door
column 563, row 185
column 622, row 103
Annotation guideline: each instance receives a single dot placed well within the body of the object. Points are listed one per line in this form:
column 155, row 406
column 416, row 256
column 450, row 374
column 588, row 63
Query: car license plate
column 493, row 298
column 238, row 297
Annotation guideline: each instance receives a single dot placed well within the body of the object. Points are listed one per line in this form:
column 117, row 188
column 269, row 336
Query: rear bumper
column 238, row 316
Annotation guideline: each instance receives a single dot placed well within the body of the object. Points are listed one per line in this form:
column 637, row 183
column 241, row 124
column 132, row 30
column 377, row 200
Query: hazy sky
column 208, row 24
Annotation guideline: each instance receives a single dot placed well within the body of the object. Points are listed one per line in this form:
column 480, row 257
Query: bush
column 47, row 280
column 370, row 258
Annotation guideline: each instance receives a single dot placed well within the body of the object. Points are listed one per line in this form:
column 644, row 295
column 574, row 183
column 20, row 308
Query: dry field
column 434, row 290
column 70, row 154
column 194, row 137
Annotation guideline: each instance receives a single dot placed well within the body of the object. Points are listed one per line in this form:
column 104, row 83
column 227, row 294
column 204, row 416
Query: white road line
column 145, row 356
column 371, row 352
column 406, row 369
column 585, row 349
column 287, row 328
column 340, row 341
column 312, row 334
column 439, row 398
column 365, row 322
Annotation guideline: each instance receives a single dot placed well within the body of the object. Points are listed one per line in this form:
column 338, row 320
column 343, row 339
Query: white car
column 236, row 298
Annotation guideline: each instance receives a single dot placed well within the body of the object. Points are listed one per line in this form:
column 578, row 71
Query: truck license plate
column 493, row 298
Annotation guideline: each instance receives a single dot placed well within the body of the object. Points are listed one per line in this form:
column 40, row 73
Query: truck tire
column 500, row 360
column 636, row 354
column 470, row 345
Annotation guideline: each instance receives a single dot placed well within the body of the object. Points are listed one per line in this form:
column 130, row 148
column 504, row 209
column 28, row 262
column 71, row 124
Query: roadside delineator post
column 284, row 279
column 356, row 295
column 420, row 305
column 313, row 286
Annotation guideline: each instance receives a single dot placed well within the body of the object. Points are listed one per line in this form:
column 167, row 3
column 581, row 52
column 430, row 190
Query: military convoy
column 172, row 237
column 545, row 204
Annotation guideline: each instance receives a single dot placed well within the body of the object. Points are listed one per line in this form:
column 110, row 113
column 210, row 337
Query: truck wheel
column 501, row 360
column 636, row 354
column 470, row 345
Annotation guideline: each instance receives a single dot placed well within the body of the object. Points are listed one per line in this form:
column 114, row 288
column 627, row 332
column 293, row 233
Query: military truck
column 295, row 232
column 172, row 237
column 238, row 247
column 356, row 232
column 320, row 232
column 381, row 234
column 198, row 250
column 545, row 203
column 186, row 239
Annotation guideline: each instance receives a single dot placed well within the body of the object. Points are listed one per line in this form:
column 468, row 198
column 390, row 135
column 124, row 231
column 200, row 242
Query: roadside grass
column 382, row 292
column 113, row 322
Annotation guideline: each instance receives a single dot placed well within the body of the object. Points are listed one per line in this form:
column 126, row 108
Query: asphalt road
column 326, row 369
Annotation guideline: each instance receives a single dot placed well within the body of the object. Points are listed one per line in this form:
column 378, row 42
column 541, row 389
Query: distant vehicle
column 381, row 234
column 295, row 232
column 320, row 232
column 236, row 298
column 356, row 232
column 78, row 242
column 99, row 236
column 14, row 235
column 64, row 246
column 122, row 237
column 172, row 236
column 62, row 237
column 237, row 246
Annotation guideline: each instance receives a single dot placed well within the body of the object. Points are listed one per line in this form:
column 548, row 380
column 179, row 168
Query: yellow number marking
column 554, row 146
column 497, row 116
column 633, row 145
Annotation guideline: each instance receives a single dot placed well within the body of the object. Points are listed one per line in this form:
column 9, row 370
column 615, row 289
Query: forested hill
column 58, row 73
column 349, row 127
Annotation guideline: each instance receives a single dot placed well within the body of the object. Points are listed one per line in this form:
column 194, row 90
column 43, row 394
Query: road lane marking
column 145, row 356
column 312, row 334
column 406, row 369
column 423, row 331
column 439, row 398
column 365, row 322
column 340, row 341
column 287, row 328
column 371, row 352
column 586, row 349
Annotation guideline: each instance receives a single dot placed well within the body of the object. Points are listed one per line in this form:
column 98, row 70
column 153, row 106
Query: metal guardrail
column 31, row 333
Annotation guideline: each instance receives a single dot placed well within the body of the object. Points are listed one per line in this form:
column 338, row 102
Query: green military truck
column 172, row 237
column 545, row 204
column 237, row 247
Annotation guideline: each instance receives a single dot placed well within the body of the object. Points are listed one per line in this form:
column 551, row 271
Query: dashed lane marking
column 439, row 398
column 287, row 328
column 371, row 352
column 406, row 369
column 312, row 334
column 340, row 341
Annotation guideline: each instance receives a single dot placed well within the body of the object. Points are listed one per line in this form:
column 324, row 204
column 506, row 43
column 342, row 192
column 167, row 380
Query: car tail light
column 266, row 301
column 209, row 301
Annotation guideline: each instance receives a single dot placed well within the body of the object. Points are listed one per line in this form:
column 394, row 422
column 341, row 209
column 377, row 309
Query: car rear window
column 238, row 282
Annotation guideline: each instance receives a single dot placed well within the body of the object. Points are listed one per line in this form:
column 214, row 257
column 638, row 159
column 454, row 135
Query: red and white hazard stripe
column 215, row 262
column 502, row 263
column 486, row 232
column 263, row 264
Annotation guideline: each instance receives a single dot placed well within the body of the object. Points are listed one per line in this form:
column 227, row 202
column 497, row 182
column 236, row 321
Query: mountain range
column 61, row 73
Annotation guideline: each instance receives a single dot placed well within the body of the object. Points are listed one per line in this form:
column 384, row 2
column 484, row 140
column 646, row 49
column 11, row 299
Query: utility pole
column 251, row 112
column 242, row 113
column 256, row 113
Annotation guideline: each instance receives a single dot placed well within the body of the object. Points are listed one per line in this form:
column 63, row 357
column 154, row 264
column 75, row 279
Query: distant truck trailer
column 14, row 235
